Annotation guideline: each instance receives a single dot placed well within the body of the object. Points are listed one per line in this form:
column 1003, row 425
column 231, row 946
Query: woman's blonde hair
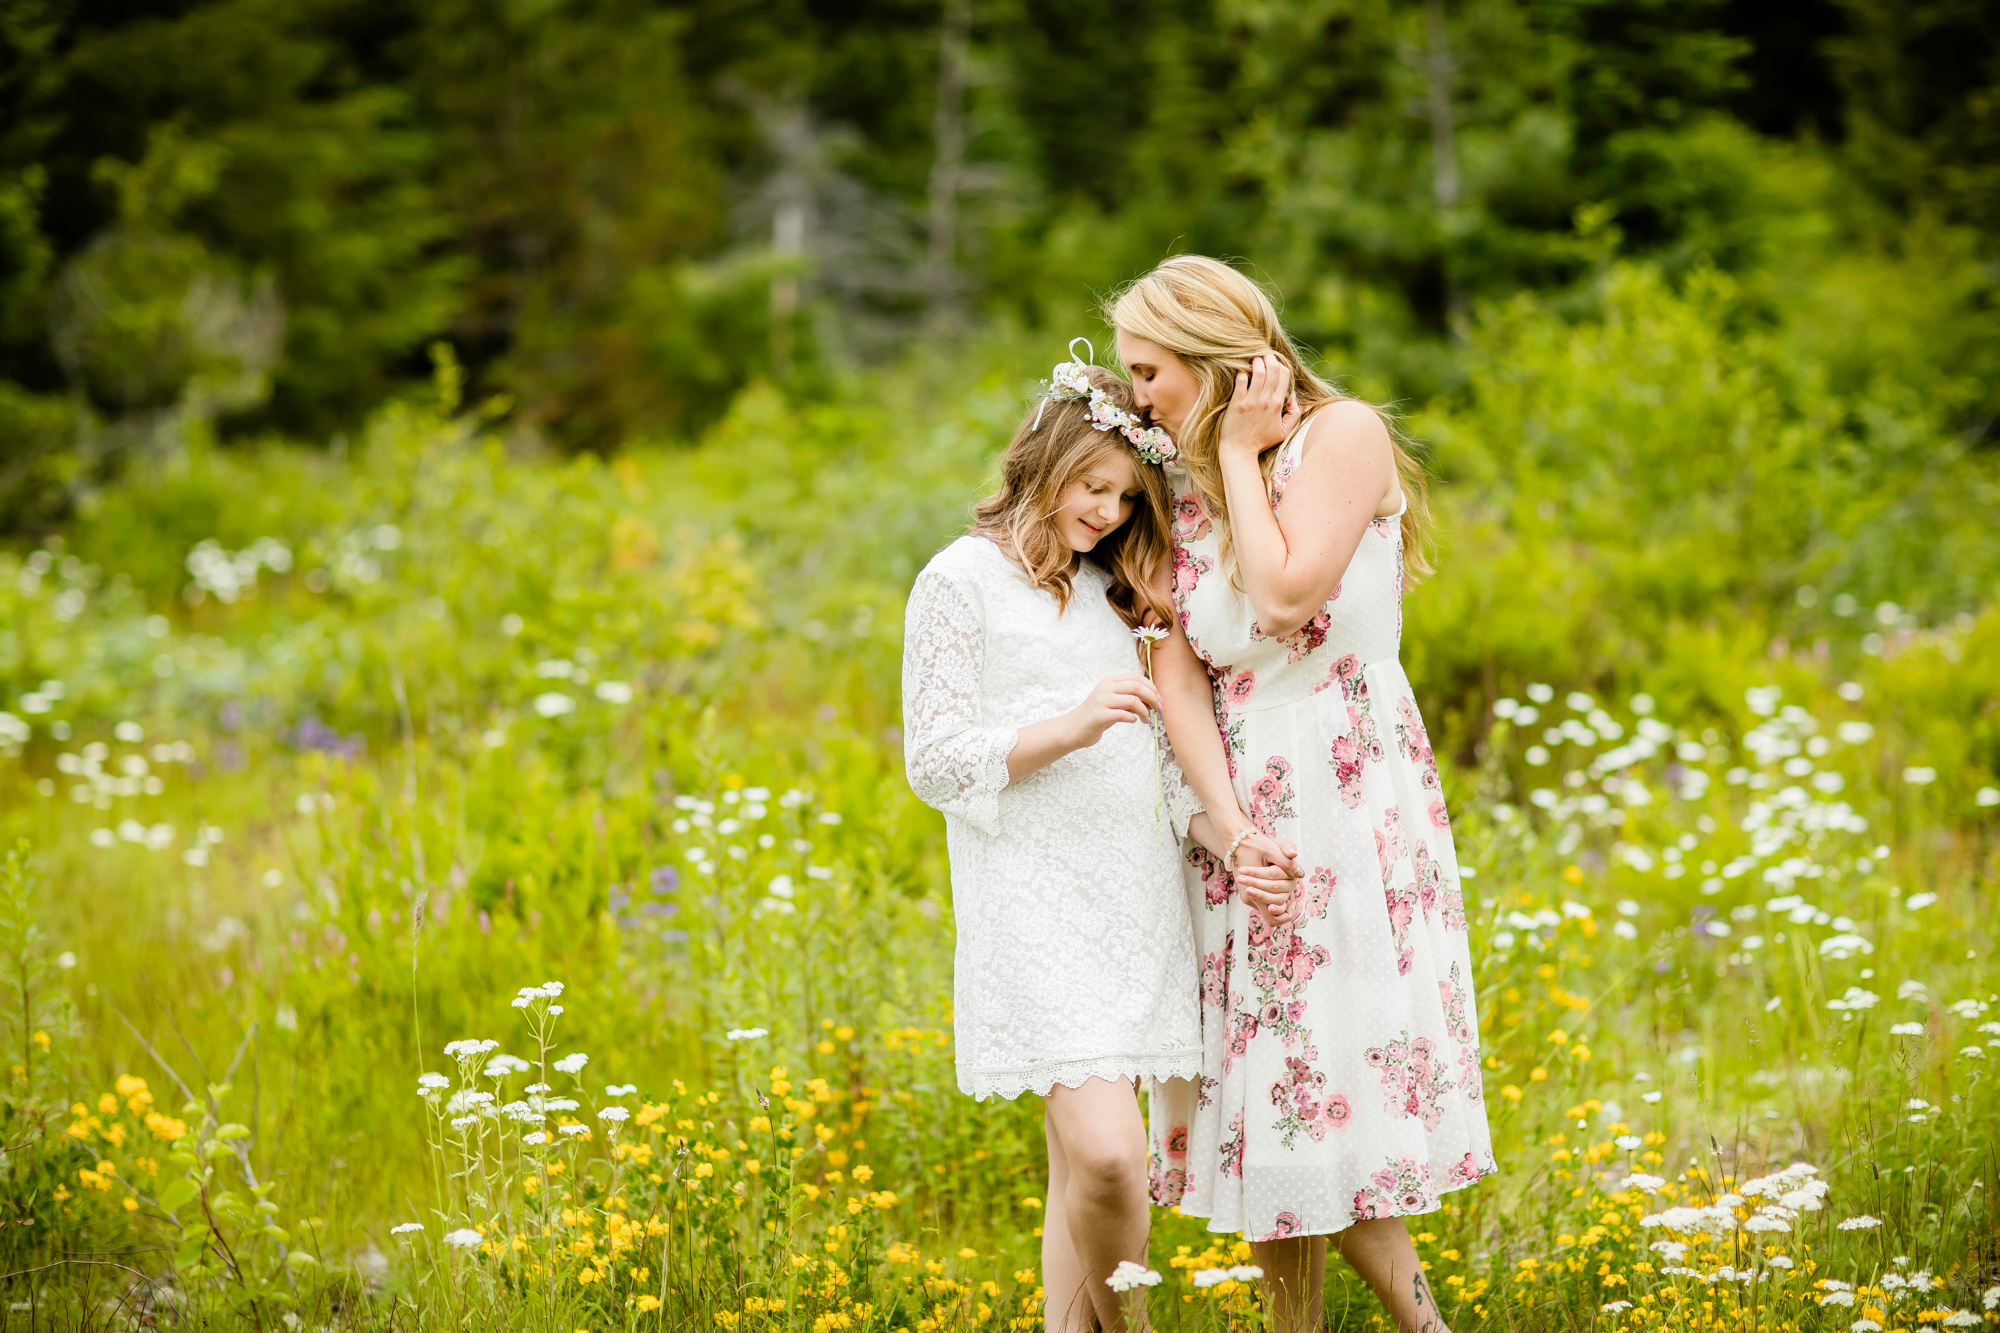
column 1054, row 447
column 1215, row 320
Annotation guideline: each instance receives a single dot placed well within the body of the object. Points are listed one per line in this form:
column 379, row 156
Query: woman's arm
column 1187, row 705
column 1291, row 565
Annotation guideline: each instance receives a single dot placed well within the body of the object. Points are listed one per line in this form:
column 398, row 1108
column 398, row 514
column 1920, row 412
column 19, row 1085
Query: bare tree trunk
column 1438, row 69
column 790, row 133
column 940, row 269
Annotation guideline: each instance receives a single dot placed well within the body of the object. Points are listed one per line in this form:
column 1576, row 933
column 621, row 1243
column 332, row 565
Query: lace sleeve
column 1182, row 804
column 954, row 764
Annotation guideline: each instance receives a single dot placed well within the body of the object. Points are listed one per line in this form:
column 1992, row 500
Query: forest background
column 457, row 461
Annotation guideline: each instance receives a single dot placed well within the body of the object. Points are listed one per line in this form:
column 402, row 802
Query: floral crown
column 1070, row 382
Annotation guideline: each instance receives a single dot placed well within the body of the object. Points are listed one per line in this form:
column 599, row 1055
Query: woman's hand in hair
column 1262, row 411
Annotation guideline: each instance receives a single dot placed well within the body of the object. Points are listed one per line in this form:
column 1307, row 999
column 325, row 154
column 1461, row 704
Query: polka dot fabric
column 1340, row 1074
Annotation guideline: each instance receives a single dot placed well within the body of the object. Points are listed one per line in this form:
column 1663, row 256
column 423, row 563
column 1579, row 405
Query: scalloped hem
column 1007, row 1084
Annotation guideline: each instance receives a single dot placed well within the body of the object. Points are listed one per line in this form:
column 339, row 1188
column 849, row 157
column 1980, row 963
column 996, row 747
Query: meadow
column 453, row 888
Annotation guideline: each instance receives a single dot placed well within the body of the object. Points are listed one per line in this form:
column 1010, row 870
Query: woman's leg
column 1381, row 1252
column 1295, row 1278
column 1096, row 1215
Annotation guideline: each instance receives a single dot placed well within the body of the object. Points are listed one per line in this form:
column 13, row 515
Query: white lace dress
column 1076, row 953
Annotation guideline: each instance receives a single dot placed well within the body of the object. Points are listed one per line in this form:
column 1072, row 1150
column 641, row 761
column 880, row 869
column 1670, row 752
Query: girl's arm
column 956, row 765
column 1128, row 697
column 1291, row 565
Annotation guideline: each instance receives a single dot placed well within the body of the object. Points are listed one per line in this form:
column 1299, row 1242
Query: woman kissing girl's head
column 1069, row 492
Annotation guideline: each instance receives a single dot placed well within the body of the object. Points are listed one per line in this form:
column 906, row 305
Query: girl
column 1075, row 968
column 1340, row 1087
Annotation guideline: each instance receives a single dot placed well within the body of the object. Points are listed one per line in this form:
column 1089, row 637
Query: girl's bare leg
column 1096, row 1216
column 1381, row 1252
column 1295, row 1278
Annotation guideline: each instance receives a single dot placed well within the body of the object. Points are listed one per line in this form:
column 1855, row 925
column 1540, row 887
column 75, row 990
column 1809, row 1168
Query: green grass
column 486, row 723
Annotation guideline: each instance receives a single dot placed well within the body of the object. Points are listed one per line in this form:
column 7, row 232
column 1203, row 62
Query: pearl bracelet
column 1229, row 857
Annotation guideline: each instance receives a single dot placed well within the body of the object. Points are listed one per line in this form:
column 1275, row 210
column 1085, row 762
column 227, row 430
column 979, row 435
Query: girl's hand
column 1127, row 697
column 1262, row 411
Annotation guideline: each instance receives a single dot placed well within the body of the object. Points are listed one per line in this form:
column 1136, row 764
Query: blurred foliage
column 620, row 213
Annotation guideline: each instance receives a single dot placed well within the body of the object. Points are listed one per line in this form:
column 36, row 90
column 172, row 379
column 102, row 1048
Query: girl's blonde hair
column 1215, row 320
column 1040, row 463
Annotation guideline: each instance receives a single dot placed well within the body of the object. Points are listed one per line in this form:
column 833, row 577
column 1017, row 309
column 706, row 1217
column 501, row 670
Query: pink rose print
column 1167, row 1173
column 1464, row 1172
column 1188, row 571
column 1402, row 905
column 1389, row 844
column 1439, row 819
column 1242, row 1027
column 1232, row 1148
column 1347, row 675
column 1190, row 519
column 1301, row 642
column 1361, row 725
column 1285, row 1224
column 1301, row 1108
column 1430, row 881
column 1414, row 1077
column 1458, row 1023
column 1271, row 795
column 1218, row 886
column 1238, row 687
column 1316, row 893
column 1215, row 980
column 1399, row 1189
column 1454, row 907
column 1346, row 760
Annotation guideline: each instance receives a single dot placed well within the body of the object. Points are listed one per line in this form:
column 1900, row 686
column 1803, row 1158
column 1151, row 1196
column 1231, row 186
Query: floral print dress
column 1341, row 1077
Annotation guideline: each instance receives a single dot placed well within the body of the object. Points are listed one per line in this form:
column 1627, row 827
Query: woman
column 1340, row 1089
column 1075, row 968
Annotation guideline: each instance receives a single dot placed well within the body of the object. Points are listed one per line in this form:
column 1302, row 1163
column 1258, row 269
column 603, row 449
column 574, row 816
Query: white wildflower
column 1129, row 1275
column 572, row 1129
column 1628, row 1142
column 1862, row 1222
column 465, row 1238
column 572, row 1064
column 614, row 1114
column 501, row 1065
column 745, row 1034
column 469, row 1049
column 1616, row 1307
column 621, row 1089
column 535, row 1140
column 405, row 1228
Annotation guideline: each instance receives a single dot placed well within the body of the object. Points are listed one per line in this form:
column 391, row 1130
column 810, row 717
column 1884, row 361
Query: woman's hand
column 1266, row 874
column 1262, row 411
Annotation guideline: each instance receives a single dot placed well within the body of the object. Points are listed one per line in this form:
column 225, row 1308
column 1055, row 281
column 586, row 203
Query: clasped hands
column 1267, row 872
